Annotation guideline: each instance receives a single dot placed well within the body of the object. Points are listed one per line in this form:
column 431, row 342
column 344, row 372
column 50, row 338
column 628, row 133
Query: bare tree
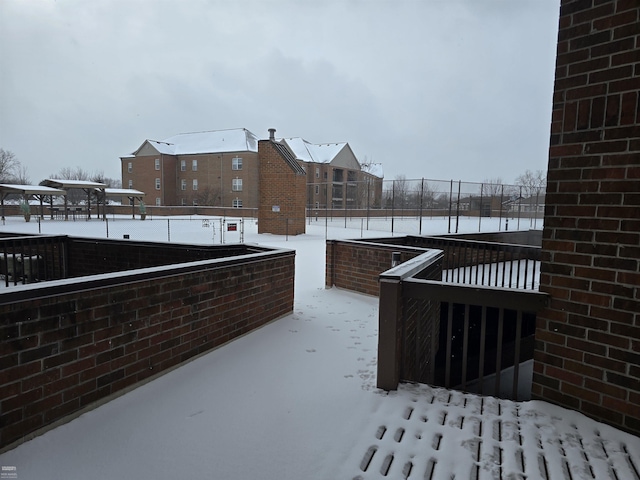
column 69, row 173
column 492, row 187
column 209, row 195
column 22, row 176
column 532, row 182
column 99, row 177
column 9, row 166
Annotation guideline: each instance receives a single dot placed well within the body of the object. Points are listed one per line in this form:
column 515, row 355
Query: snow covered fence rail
column 482, row 262
column 69, row 345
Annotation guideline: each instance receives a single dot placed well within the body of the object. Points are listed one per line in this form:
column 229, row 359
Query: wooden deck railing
column 468, row 327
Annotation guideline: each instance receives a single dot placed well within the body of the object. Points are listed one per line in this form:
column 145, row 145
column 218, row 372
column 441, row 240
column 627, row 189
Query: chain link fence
column 401, row 201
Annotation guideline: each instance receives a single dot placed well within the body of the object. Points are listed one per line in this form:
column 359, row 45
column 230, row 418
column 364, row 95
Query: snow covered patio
column 297, row 399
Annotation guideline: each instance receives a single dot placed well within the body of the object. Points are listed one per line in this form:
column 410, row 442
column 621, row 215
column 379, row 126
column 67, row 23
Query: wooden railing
column 470, row 326
column 485, row 334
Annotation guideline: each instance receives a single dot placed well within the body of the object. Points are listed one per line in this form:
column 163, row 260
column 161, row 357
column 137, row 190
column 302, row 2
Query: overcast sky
column 440, row 89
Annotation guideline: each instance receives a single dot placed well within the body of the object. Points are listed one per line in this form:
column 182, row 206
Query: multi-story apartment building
column 217, row 168
column 221, row 168
column 335, row 178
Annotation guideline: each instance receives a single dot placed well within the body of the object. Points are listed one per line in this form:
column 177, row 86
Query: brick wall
column 282, row 188
column 67, row 344
column 357, row 266
column 588, row 340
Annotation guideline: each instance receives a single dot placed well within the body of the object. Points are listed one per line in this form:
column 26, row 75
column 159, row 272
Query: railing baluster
column 490, row 265
column 484, row 262
column 464, row 266
column 447, row 371
column 465, row 345
column 511, row 262
column 516, row 358
column 499, row 352
column 483, row 333
column 504, row 266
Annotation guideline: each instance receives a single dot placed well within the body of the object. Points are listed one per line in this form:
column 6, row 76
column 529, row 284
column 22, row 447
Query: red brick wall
column 588, row 340
column 280, row 186
column 72, row 344
column 357, row 266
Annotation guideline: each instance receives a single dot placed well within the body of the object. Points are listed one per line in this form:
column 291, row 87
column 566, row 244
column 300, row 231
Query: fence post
column 390, row 333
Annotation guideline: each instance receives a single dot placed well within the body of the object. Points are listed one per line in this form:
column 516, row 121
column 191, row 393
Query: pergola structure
column 38, row 191
column 131, row 194
column 53, row 187
column 85, row 185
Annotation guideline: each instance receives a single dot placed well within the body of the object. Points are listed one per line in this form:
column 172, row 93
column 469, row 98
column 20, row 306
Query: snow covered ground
column 297, row 400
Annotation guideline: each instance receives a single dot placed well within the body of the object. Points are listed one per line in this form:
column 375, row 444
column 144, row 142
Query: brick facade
column 214, row 175
column 282, row 195
column 357, row 266
column 588, row 340
column 68, row 344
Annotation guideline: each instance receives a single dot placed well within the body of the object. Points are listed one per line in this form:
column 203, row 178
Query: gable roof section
column 315, row 153
column 215, row 141
column 374, row 169
column 288, row 157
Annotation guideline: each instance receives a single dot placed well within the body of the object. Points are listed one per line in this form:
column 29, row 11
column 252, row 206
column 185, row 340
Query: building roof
column 6, row 189
column 128, row 192
column 310, row 152
column 374, row 169
column 288, row 158
column 68, row 184
column 215, row 141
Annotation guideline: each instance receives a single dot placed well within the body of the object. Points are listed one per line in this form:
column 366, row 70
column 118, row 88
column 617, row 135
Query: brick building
column 335, row 178
column 217, row 168
column 220, row 168
column 588, row 339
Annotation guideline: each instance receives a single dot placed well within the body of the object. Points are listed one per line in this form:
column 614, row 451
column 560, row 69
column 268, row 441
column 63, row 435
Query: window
column 237, row 203
column 195, row 203
column 130, row 183
column 236, row 185
column 317, row 204
column 158, row 201
column 183, row 184
column 130, row 167
column 157, row 164
column 157, row 184
column 194, row 165
column 236, row 164
column 317, row 172
column 183, row 202
column 183, row 165
column 317, row 189
column 195, row 183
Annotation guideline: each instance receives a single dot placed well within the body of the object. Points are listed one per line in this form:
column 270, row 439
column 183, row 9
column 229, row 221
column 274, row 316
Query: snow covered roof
column 62, row 183
column 6, row 189
column 311, row 152
column 215, row 141
column 373, row 169
column 124, row 191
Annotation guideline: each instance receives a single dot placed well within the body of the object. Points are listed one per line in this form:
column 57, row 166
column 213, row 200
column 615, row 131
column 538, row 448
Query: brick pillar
column 283, row 195
column 588, row 340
